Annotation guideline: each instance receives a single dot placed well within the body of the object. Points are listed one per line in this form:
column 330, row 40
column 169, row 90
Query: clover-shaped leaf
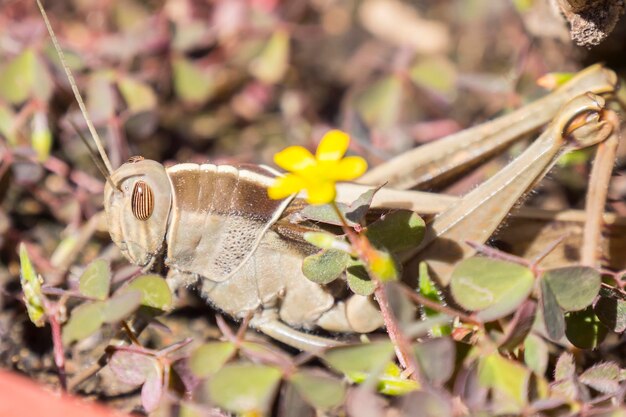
column 210, row 357
column 358, row 279
column 584, row 329
column 95, row 281
column 154, row 290
column 321, row 391
column 575, row 287
column 244, row 387
column 85, row 320
column 482, row 283
column 397, row 231
column 325, row 266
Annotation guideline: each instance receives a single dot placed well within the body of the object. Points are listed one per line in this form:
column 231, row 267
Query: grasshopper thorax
column 138, row 209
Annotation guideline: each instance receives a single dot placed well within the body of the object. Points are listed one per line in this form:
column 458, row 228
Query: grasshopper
column 215, row 225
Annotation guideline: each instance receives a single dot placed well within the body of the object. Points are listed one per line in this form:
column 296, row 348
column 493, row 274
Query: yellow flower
column 317, row 174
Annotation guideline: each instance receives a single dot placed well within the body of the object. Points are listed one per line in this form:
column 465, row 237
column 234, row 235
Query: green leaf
column 95, row 282
column 355, row 361
column 154, row 290
column 244, row 387
column 536, row 354
column 325, row 213
column 31, row 287
column 397, row 231
column 325, row 266
column 85, row 320
column 584, row 330
column 380, row 104
column 552, row 314
column 359, row 207
column 271, row 65
column 612, row 313
column 358, row 279
column 575, row 287
column 429, row 290
column 192, row 83
column 436, row 358
column 565, row 367
column 7, row 124
column 121, row 306
column 23, row 77
column 210, row 357
column 138, row 96
column 603, row 377
column 481, row 283
column 506, row 377
column 391, row 382
column 435, row 73
column 321, row 391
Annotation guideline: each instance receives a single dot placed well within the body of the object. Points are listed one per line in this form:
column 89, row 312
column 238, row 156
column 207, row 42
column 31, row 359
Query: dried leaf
column 132, row 368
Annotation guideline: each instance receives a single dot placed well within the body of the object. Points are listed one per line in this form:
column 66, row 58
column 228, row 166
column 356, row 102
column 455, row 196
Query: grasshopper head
column 138, row 209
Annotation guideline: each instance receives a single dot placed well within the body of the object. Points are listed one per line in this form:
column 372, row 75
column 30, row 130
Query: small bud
column 553, row 80
column 31, row 287
column 327, row 241
column 383, row 265
column 41, row 139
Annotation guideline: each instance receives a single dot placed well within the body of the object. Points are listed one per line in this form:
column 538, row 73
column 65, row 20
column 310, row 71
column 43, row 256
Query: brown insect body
column 213, row 224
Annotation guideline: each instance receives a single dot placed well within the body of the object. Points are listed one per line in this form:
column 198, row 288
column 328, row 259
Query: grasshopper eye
column 135, row 159
column 142, row 201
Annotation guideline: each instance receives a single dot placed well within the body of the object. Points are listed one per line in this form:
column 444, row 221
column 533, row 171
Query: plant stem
column 596, row 195
column 366, row 252
column 57, row 343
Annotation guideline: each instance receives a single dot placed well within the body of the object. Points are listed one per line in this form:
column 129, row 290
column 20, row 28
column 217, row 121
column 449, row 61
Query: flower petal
column 333, row 146
column 285, row 186
column 350, row 168
column 294, row 158
column 320, row 192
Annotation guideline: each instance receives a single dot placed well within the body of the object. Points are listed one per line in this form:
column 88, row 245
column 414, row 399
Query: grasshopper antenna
column 79, row 98
column 94, row 156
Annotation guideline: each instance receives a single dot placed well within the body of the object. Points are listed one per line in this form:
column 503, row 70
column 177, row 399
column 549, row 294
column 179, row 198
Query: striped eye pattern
column 142, row 201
